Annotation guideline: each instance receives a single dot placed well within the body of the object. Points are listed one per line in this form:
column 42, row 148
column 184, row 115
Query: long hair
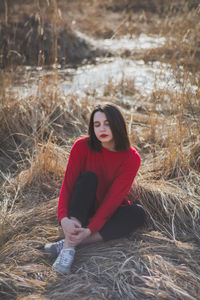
column 117, row 126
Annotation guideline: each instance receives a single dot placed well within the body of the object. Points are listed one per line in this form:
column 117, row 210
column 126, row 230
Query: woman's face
column 102, row 130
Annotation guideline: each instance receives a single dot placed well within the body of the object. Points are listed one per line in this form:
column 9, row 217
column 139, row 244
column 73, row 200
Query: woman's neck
column 109, row 146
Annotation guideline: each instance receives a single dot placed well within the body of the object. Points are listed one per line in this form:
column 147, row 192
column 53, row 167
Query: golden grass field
column 160, row 261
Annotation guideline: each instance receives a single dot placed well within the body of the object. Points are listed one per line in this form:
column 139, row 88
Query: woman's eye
column 107, row 123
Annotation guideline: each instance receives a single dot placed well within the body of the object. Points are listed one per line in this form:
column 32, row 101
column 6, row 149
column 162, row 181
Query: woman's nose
column 102, row 127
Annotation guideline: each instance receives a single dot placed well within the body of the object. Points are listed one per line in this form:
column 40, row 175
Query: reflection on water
column 147, row 77
column 141, row 42
column 128, row 42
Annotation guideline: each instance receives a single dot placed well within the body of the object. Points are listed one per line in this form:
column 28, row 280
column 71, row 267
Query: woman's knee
column 89, row 176
column 140, row 212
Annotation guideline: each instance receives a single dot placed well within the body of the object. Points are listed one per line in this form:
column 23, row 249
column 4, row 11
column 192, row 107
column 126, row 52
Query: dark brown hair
column 117, row 126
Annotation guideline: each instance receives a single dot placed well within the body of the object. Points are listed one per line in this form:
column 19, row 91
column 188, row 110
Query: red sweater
column 116, row 172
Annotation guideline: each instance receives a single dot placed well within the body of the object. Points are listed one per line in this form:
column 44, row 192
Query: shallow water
column 146, row 77
column 127, row 42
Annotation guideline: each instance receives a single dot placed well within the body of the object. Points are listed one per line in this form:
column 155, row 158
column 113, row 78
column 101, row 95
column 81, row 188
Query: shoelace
column 65, row 259
column 59, row 246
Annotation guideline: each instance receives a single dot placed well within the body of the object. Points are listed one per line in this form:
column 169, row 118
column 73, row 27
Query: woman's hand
column 82, row 233
column 74, row 233
column 69, row 227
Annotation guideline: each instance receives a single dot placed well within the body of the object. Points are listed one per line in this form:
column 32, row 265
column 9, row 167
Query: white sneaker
column 64, row 261
column 54, row 248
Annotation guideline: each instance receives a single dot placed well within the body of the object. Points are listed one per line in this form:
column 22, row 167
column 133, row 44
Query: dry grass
column 160, row 261
column 182, row 32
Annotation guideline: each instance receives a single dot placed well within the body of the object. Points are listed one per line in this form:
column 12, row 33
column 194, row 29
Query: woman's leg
column 83, row 197
column 125, row 220
column 82, row 200
column 80, row 207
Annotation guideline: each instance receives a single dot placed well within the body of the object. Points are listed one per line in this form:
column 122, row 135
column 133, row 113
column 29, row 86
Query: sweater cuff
column 95, row 226
column 61, row 216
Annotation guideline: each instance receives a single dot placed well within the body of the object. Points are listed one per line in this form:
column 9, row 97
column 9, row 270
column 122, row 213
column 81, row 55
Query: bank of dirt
column 32, row 42
column 44, row 32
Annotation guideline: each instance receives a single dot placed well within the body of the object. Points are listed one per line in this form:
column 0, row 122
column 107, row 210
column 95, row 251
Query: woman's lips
column 103, row 135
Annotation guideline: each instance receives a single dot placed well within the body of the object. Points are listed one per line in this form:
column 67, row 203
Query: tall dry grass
column 181, row 29
column 160, row 261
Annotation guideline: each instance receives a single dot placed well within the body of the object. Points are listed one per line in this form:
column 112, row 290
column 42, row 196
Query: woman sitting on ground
column 93, row 204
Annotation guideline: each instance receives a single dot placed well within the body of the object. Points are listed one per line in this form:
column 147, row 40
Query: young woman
column 93, row 204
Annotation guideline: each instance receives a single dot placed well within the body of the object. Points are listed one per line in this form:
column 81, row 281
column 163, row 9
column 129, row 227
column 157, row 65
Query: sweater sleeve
column 116, row 193
column 74, row 168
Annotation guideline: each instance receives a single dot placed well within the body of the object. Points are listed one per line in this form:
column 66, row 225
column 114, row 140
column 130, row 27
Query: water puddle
column 146, row 77
column 127, row 42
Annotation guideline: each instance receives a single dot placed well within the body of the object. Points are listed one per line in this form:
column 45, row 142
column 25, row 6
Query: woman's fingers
column 78, row 230
column 77, row 224
column 73, row 239
column 74, row 234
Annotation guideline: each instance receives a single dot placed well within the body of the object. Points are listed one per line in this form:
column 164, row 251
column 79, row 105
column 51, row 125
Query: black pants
column 124, row 220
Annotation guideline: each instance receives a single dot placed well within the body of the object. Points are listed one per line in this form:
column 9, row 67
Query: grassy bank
column 42, row 32
column 161, row 261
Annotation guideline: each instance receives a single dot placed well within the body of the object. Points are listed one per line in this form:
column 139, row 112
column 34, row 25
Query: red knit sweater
column 116, row 172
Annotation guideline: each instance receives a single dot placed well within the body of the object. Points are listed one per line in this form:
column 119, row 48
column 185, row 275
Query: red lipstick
column 103, row 135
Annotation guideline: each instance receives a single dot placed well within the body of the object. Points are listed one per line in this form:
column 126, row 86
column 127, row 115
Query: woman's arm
column 74, row 168
column 117, row 192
